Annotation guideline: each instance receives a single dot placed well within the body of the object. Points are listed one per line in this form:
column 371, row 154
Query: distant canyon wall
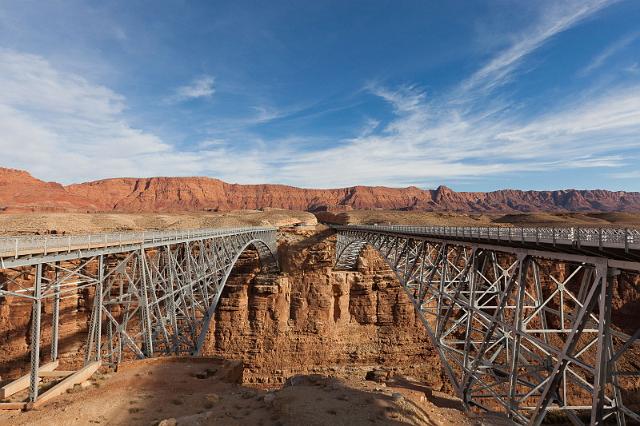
column 19, row 191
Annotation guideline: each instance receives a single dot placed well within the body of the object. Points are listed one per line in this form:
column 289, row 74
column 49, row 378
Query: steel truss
column 149, row 298
column 518, row 331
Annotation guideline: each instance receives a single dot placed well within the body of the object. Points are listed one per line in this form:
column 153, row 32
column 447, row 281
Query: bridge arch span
column 267, row 256
column 519, row 329
column 159, row 297
column 151, row 292
column 348, row 251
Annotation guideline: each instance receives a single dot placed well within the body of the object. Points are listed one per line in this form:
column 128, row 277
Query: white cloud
column 558, row 17
column 443, row 138
column 633, row 68
column 369, row 127
column 62, row 127
column 626, row 175
column 611, row 50
column 428, row 142
column 200, row 87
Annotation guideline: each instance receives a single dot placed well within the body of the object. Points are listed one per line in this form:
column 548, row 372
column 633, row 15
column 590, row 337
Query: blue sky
column 476, row 95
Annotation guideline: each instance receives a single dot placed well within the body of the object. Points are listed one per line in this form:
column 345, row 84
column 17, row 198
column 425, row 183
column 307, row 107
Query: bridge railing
column 593, row 237
column 43, row 244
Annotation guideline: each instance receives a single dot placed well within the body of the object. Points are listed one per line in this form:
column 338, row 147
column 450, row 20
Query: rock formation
column 312, row 318
column 309, row 318
column 20, row 192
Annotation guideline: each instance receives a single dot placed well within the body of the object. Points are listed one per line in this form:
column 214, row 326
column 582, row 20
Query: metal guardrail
column 43, row 244
column 592, row 237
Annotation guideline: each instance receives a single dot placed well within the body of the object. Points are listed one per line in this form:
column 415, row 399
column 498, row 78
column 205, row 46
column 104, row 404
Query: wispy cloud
column 626, row 175
column 62, row 127
column 633, row 68
column 427, row 142
column 556, row 19
column 469, row 132
column 200, row 87
column 607, row 53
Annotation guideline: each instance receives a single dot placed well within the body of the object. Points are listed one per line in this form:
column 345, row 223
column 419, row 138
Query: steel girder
column 518, row 331
column 148, row 299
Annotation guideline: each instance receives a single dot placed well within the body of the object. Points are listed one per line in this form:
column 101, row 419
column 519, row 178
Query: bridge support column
column 35, row 335
column 604, row 346
column 55, row 321
column 171, row 305
column 517, row 333
column 94, row 338
column 597, row 291
column 145, row 311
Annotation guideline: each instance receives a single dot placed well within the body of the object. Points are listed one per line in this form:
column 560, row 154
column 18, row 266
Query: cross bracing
column 153, row 293
column 522, row 319
column 521, row 326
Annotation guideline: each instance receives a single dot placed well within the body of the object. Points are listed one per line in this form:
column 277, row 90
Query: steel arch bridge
column 521, row 318
column 153, row 292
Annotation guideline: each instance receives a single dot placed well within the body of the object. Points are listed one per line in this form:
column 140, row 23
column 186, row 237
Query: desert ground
column 82, row 223
column 278, row 357
column 206, row 392
column 395, row 217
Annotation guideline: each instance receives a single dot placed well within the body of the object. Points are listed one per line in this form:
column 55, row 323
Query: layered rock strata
column 19, row 191
column 313, row 318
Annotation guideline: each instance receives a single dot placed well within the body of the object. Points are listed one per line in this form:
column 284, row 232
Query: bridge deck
column 615, row 243
column 154, row 292
column 524, row 320
column 15, row 247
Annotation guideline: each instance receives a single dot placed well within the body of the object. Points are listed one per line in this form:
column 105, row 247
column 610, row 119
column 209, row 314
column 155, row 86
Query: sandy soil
column 83, row 223
column 149, row 391
column 368, row 217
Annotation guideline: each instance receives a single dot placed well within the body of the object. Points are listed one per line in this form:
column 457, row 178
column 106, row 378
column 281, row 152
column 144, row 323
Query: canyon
column 21, row 192
column 311, row 317
column 309, row 325
column 306, row 318
column 309, row 332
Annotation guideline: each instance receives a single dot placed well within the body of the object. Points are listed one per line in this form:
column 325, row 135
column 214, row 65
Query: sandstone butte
column 19, row 191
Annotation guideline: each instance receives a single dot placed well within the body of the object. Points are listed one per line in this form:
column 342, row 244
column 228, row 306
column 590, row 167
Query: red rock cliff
column 20, row 191
column 313, row 318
